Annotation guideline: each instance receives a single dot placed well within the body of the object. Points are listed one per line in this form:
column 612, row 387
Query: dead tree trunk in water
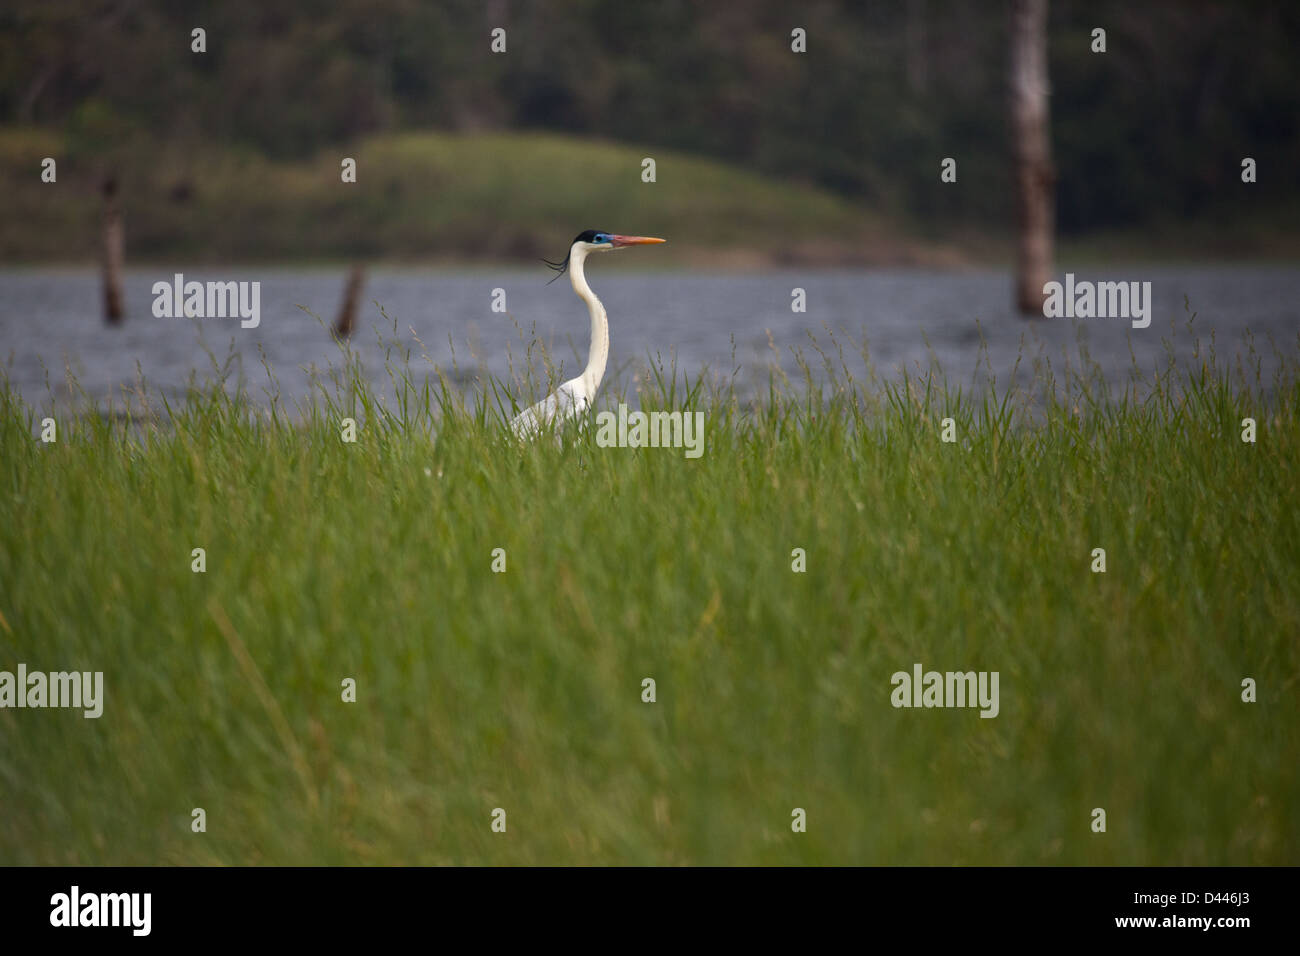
column 113, row 253
column 1031, row 152
column 351, row 294
column 914, row 45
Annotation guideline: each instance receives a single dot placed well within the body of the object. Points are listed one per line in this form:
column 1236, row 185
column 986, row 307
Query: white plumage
column 575, row 397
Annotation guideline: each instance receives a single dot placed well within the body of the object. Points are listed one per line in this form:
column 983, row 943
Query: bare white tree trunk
column 1031, row 151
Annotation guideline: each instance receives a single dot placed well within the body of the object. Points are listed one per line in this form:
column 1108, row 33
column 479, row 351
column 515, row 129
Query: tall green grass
column 523, row 690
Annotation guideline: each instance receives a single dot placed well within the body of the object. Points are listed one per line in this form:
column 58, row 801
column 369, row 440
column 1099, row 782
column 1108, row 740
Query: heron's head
column 593, row 240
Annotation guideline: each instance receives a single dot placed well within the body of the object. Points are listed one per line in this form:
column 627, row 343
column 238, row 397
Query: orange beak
column 617, row 241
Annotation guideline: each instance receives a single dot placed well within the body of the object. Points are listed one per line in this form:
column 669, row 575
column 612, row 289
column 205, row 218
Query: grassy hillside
column 423, row 196
column 523, row 690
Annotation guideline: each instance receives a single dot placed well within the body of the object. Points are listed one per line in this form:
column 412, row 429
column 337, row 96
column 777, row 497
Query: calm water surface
column 50, row 319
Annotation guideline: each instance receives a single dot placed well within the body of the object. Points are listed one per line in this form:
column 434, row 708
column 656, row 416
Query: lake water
column 52, row 319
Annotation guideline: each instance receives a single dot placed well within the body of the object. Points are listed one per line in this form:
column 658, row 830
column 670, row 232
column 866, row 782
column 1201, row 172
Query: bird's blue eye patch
column 601, row 237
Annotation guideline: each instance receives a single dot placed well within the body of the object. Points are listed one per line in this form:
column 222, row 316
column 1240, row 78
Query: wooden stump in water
column 351, row 295
column 1031, row 151
column 113, row 254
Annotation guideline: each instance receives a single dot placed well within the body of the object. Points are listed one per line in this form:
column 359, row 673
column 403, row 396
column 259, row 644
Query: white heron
column 574, row 397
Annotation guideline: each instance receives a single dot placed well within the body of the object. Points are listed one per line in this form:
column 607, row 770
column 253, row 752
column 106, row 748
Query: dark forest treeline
column 1152, row 130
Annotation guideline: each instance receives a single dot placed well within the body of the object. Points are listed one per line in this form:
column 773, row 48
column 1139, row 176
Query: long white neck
column 598, row 357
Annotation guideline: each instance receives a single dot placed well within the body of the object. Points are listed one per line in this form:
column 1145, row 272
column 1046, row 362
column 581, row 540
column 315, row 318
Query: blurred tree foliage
column 1153, row 129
